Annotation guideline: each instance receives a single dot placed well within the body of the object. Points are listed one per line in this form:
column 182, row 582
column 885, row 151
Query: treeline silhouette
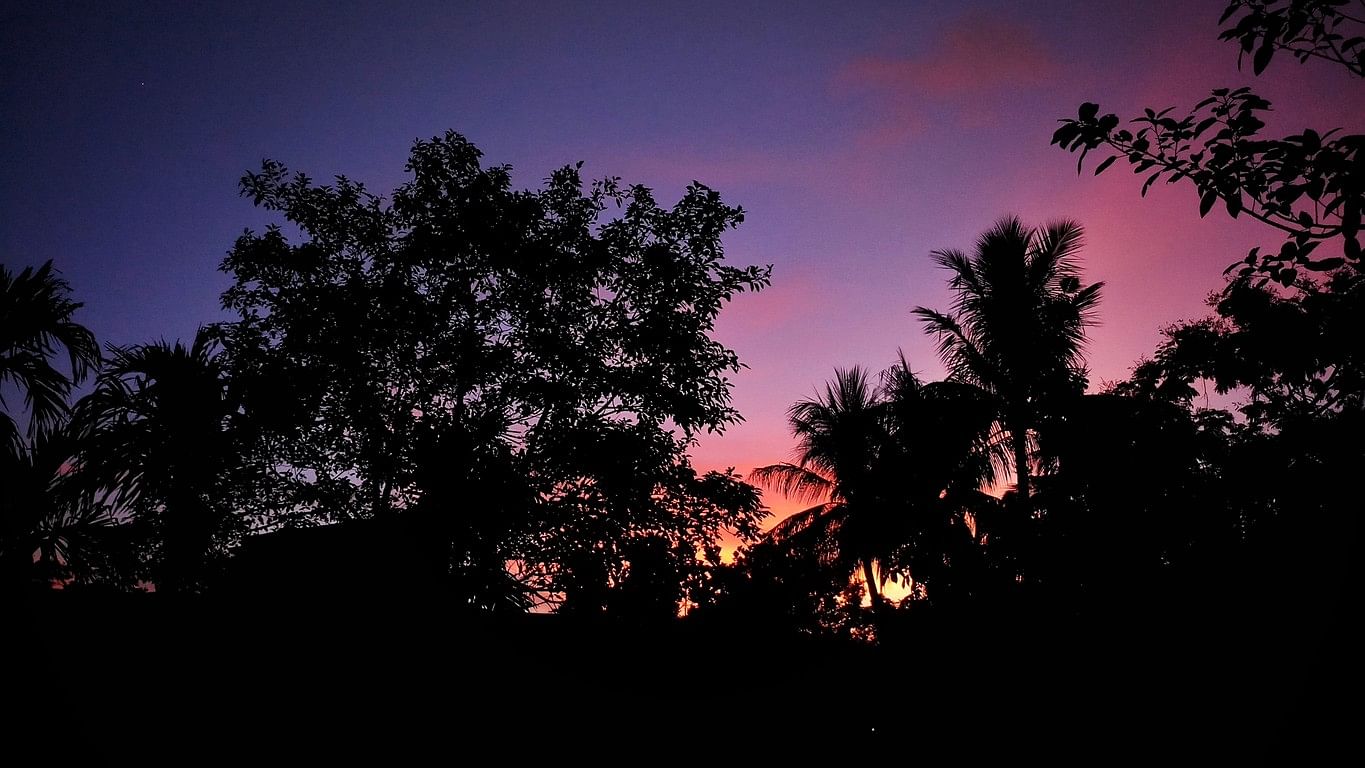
column 443, row 445
column 472, row 402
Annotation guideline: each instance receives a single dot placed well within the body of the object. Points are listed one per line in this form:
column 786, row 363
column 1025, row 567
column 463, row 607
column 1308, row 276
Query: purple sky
column 857, row 136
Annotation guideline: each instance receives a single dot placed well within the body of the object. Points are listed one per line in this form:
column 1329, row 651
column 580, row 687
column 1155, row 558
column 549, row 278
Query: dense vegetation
column 485, row 399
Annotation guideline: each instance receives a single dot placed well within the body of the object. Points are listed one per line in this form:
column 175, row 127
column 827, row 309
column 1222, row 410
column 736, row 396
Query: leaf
column 1234, row 204
column 1326, row 265
column 1149, row 182
column 1203, row 126
column 1312, row 142
column 1108, row 162
column 1088, row 110
column 1206, row 202
column 1262, row 58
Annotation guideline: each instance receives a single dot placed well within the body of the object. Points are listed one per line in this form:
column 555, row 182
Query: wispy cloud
column 976, row 57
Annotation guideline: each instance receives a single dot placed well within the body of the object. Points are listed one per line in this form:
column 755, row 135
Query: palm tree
column 50, row 529
column 1017, row 327
column 36, row 326
column 839, row 436
column 899, row 466
column 155, row 440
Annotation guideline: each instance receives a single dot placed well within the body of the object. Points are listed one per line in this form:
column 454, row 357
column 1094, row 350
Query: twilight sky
column 858, row 137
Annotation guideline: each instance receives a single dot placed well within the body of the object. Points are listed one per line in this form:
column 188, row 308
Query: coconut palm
column 154, row 439
column 50, row 529
column 898, row 465
column 839, row 436
column 36, row 327
column 1017, row 325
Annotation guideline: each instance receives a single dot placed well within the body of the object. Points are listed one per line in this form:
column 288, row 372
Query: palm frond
column 792, row 481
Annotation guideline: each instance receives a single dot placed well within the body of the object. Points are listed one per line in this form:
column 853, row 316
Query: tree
column 155, row 442
column 1130, row 498
column 1017, row 327
column 898, row 464
column 525, row 374
column 1281, row 472
column 35, row 326
column 51, row 528
column 840, row 437
column 1310, row 185
column 944, row 450
column 1298, row 358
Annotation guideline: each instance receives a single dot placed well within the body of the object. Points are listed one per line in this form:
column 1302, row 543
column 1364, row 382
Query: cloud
column 976, row 54
column 976, row 58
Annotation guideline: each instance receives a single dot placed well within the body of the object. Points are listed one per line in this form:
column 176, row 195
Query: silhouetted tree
column 1283, row 468
column 154, row 440
column 51, row 528
column 528, row 375
column 1130, row 499
column 1273, row 513
column 840, row 435
column 35, row 327
column 901, row 465
column 1017, row 327
column 944, row 449
column 1299, row 357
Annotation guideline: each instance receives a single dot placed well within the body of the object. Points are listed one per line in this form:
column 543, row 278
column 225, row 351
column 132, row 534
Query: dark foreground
column 153, row 676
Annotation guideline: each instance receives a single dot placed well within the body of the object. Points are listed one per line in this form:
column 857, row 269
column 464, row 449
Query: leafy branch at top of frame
column 1330, row 30
column 1309, row 185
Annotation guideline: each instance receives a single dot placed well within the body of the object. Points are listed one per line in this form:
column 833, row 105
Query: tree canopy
column 523, row 372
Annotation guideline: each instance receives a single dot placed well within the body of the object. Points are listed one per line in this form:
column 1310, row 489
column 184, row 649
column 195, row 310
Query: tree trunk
column 1021, row 469
column 874, row 592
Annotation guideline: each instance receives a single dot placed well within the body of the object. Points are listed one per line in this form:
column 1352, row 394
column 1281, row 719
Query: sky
column 858, row 137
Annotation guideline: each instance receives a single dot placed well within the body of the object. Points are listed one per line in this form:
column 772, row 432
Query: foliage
column 1129, row 497
column 1017, row 327
column 155, row 443
column 36, row 518
column 36, row 326
column 51, row 529
column 1303, row 28
column 1309, row 185
column 1298, row 358
column 901, row 464
column 527, row 373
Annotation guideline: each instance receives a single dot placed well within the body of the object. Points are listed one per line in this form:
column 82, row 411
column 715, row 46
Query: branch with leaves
column 1306, row 29
column 1310, row 186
